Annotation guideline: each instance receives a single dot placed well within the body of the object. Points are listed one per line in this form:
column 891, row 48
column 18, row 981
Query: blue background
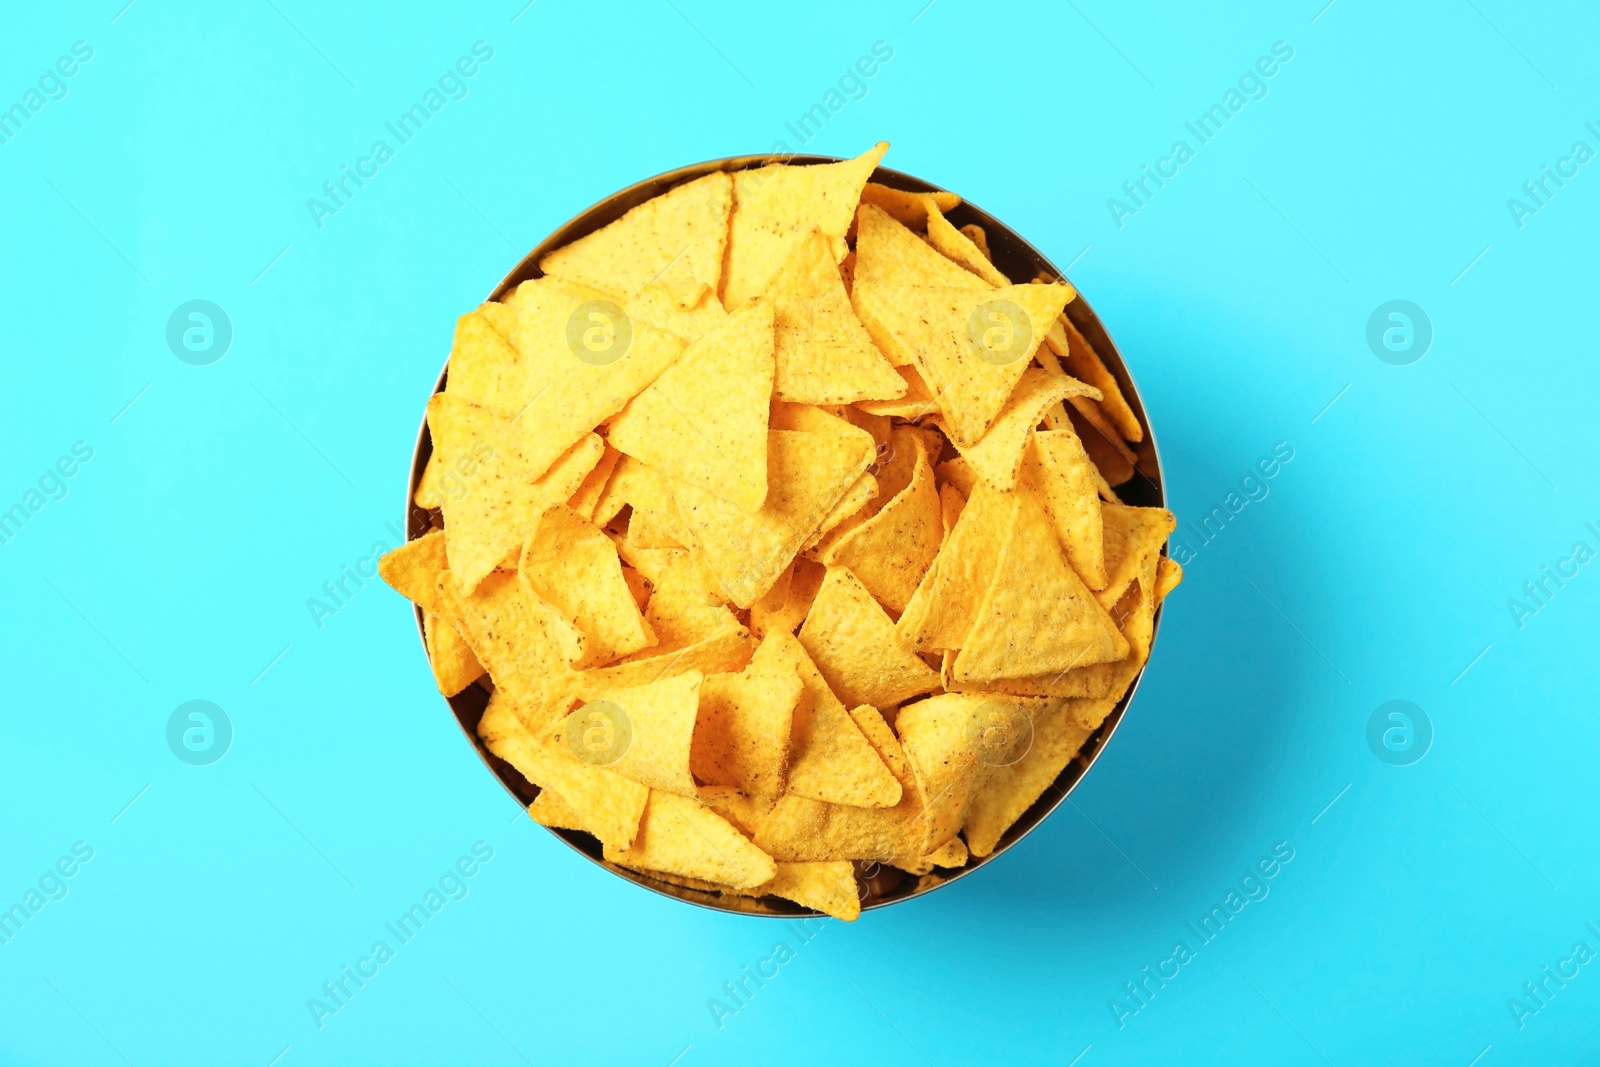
column 1379, row 567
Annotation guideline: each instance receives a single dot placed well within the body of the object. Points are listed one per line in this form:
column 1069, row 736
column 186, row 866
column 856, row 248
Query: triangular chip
column 413, row 569
column 827, row 886
column 704, row 421
column 525, row 643
column 549, row 809
column 684, row 609
column 917, row 401
column 960, row 249
column 643, row 732
column 908, row 209
column 943, row 741
column 741, row 737
column 774, row 208
column 1057, row 462
column 774, row 613
column 829, row 759
column 454, row 665
column 585, row 360
column 1084, row 363
column 807, row 473
column 960, row 575
column 660, row 308
column 724, row 651
column 680, row 835
column 997, row 456
column 1133, row 537
column 587, row 496
column 852, row 641
column 573, row 566
column 484, row 368
column 824, row 354
column 891, row 551
column 1036, row 615
column 1012, row 789
column 676, row 239
column 970, row 345
column 498, row 500
column 607, row 805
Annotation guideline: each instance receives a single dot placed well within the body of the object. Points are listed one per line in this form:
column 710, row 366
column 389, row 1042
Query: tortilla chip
column 413, row 569
column 975, row 234
column 657, row 306
column 961, row 573
column 824, row 354
column 704, row 421
column 1084, row 363
column 724, row 651
column 607, row 805
column 741, row 737
column 917, row 401
column 585, row 360
column 499, row 501
column 1133, row 538
column 684, row 609
column 680, row 835
column 646, row 734
column 774, row 208
column 951, row 504
column 1057, row 464
column 937, row 736
column 852, row 641
column 997, row 456
column 454, row 665
column 892, row 550
column 588, row 494
column 829, row 759
column 1109, row 462
column 484, row 368
column 970, row 345
column 676, row 239
column 959, row 248
column 573, row 566
column 787, row 612
column 828, row 886
column 807, row 474
column 1036, row 615
column 1012, row 789
column 1168, row 577
column 548, row 809
column 523, row 642
column 908, row 209
column 851, row 510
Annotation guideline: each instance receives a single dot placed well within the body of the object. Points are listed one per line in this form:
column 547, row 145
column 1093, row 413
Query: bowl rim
column 1083, row 316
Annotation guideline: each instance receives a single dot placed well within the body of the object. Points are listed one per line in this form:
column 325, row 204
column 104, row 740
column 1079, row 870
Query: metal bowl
column 1016, row 258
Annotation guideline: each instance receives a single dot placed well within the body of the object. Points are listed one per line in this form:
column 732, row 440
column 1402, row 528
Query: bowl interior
column 1017, row 259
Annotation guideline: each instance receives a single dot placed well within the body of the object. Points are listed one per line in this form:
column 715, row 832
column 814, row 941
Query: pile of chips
column 781, row 527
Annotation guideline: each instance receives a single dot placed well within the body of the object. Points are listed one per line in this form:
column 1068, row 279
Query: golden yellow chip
column 413, row 569
column 676, row 239
column 484, row 368
column 1059, row 467
column 523, row 642
column 908, row 209
column 643, row 732
column 454, row 665
column 680, row 835
column 970, row 345
column 1133, row 537
column 684, row 608
column 960, row 249
column 1109, row 461
column 959, row 473
column 776, row 206
column 500, row 500
column 785, row 613
column 655, row 305
column 892, row 550
column 851, row 510
column 584, row 359
column 1011, row 789
column 1168, row 577
column 828, row 886
column 704, row 421
column 829, row 759
column 588, row 495
column 1083, row 362
column 852, row 641
column 917, row 401
column 741, row 737
column 997, row 456
column 1036, row 615
column 607, row 805
column 573, row 566
column 975, row 234
column 824, row 354
column 548, row 809
column 807, row 474
column 961, row 573
column 724, row 651
column 942, row 738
